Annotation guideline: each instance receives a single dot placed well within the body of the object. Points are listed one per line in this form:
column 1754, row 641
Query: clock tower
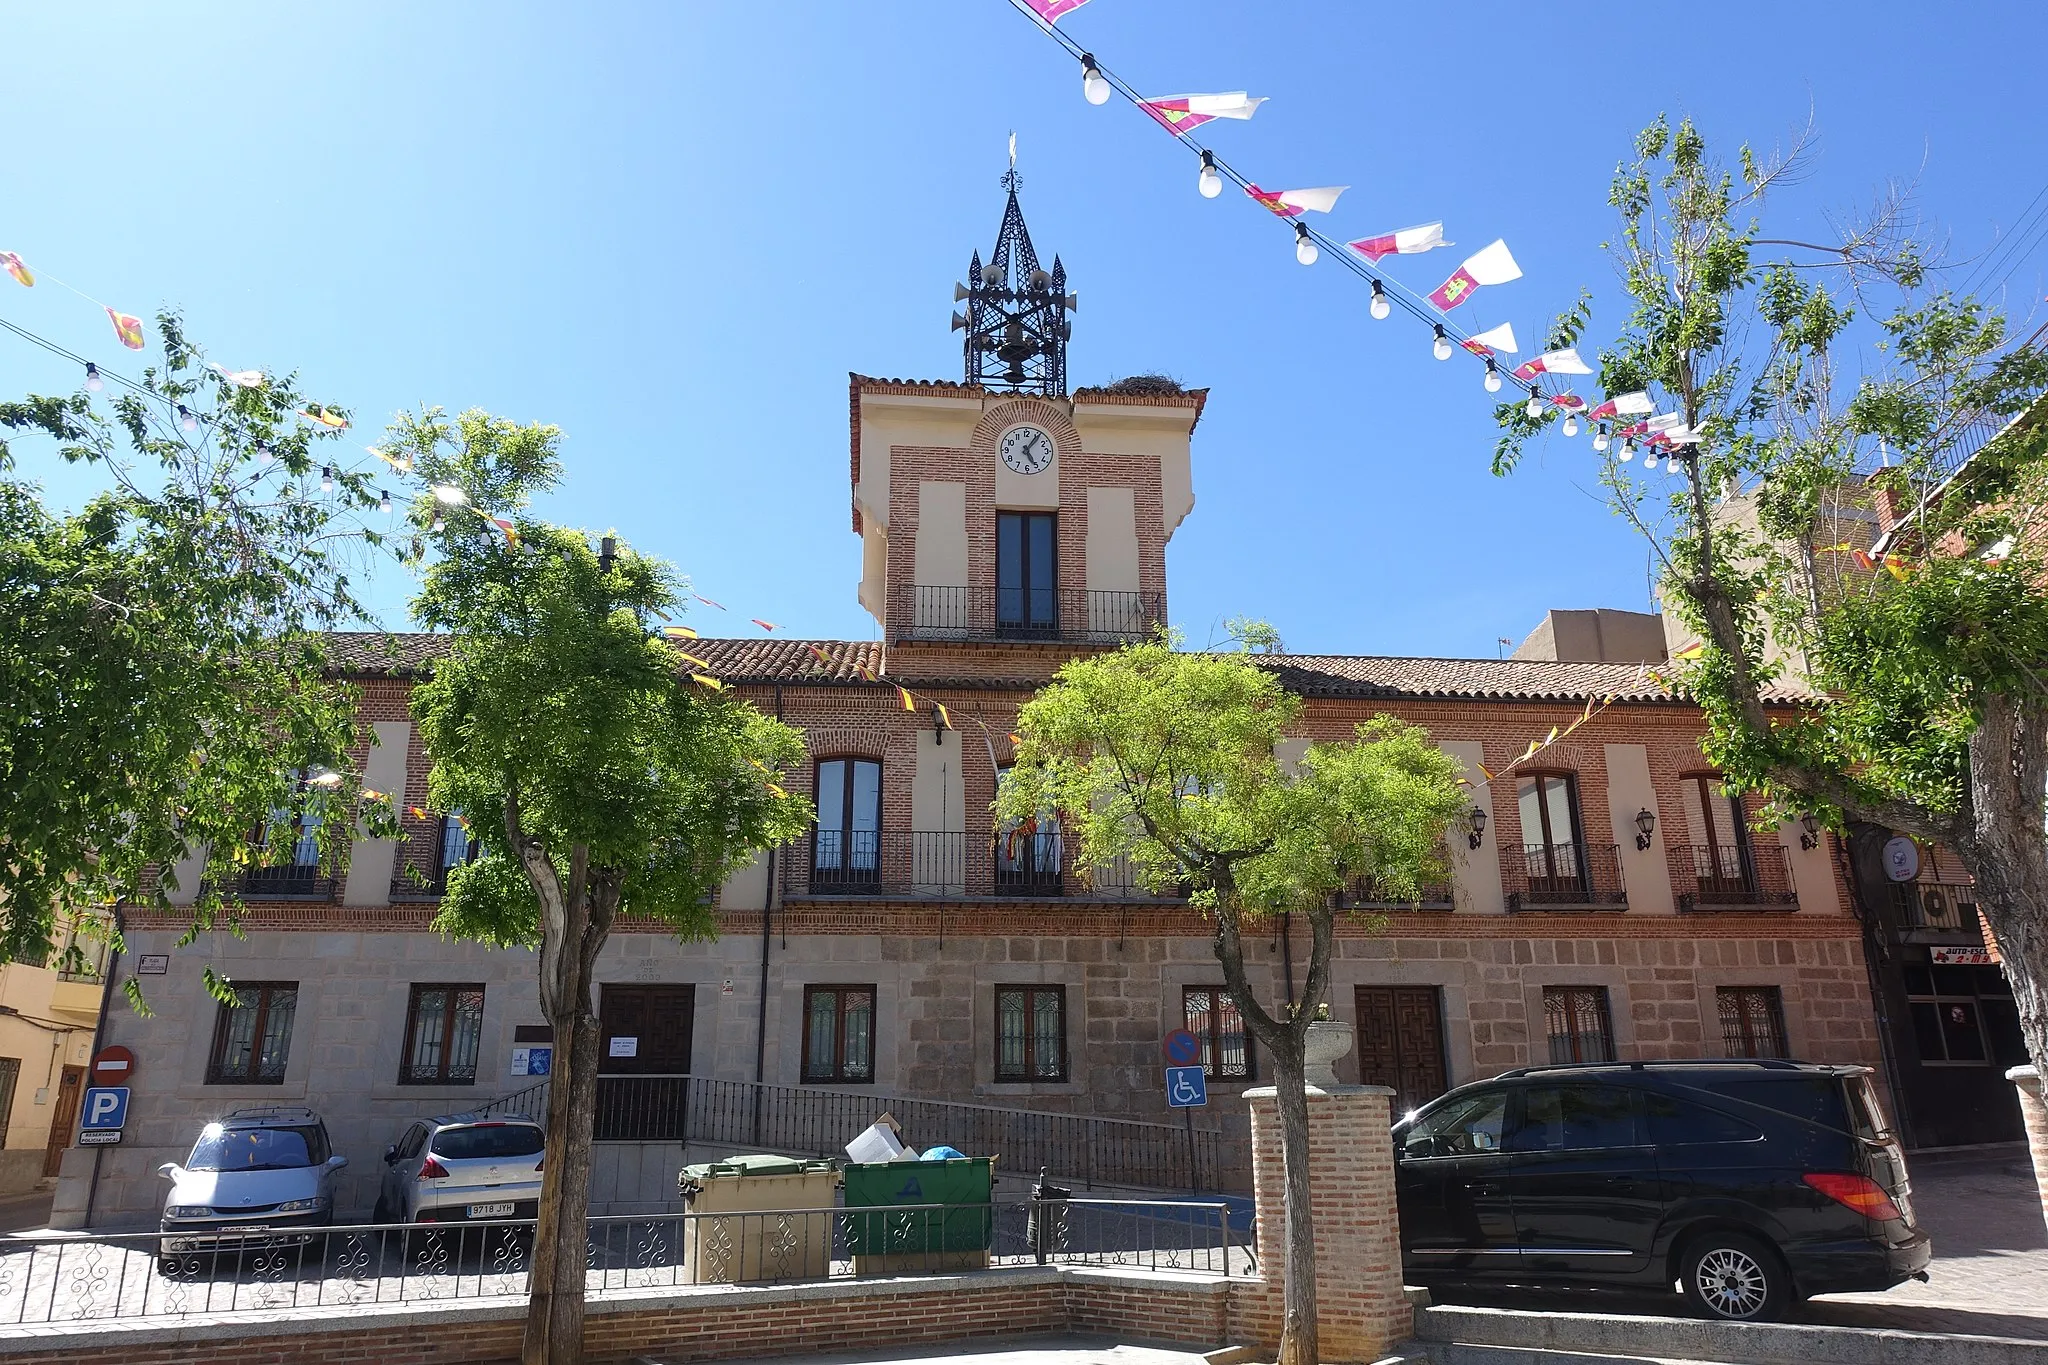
column 1006, row 522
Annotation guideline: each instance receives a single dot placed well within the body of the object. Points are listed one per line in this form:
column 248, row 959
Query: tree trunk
column 2007, row 853
column 554, row 1310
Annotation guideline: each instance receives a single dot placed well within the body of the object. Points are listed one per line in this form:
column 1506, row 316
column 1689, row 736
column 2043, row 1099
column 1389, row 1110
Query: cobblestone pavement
column 1989, row 1276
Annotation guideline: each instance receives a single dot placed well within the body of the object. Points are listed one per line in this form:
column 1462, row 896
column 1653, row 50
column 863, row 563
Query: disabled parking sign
column 102, row 1115
column 1186, row 1087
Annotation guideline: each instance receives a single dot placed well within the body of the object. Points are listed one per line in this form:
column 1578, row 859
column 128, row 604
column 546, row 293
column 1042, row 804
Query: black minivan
column 1749, row 1183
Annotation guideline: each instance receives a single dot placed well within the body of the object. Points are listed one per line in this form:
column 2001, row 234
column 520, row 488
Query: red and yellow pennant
column 128, row 327
column 22, row 274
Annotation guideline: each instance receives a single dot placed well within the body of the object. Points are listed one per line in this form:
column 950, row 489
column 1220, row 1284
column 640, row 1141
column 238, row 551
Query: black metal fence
column 948, row 864
column 922, row 611
column 1731, row 877
column 820, row 1120
column 105, row 1276
column 1572, row 876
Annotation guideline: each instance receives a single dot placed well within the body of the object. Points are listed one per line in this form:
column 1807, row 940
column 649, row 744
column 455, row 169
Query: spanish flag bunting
column 757, row 763
column 822, row 656
column 1534, row 745
column 909, row 702
column 1491, row 264
column 1844, row 548
column 712, row 683
column 1487, row 771
column 401, row 463
column 1695, row 650
column 418, row 813
column 1612, row 697
column 1898, row 566
column 372, row 794
column 128, row 327
column 1551, row 738
column 241, row 379
column 1183, row 113
column 1863, row 561
column 1626, row 404
column 1051, row 10
column 777, row 790
column 1490, row 342
column 691, row 658
column 1565, row 361
column 313, row 412
column 679, row 632
column 707, row 601
column 1407, row 242
column 945, row 716
column 765, row 625
column 867, row 672
column 1016, row 739
column 1293, row 203
column 462, row 820
column 1588, row 714
column 511, row 531
column 22, row 274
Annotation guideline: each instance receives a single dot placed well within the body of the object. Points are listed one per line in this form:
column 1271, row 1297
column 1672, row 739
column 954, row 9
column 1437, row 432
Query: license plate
column 490, row 1210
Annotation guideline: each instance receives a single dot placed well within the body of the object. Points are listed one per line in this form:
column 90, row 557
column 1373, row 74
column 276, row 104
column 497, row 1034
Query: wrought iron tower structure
column 1015, row 319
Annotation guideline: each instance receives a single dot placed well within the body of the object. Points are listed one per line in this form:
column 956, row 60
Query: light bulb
column 383, row 501
column 1094, row 88
column 264, row 452
column 436, row 528
column 1305, row 248
column 1210, row 181
column 1600, row 437
column 93, row 382
column 1492, row 377
column 1380, row 304
column 186, row 421
column 326, row 478
column 1649, row 459
column 1441, row 349
column 1628, row 451
column 1571, row 424
column 1534, row 407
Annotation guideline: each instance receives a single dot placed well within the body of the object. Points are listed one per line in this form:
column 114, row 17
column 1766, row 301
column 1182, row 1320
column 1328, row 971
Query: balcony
column 1716, row 877
column 413, row 883
column 1364, row 894
column 1544, row 877
column 285, row 882
column 951, row 865
column 923, row 612
column 1936, row 911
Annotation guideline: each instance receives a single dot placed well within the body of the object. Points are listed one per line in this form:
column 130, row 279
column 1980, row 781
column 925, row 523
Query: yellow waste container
column 758, row 1218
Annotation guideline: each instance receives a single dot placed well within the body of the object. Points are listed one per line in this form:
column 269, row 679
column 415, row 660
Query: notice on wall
column 625, row 1047
column 1960, row 957
column 153, row 964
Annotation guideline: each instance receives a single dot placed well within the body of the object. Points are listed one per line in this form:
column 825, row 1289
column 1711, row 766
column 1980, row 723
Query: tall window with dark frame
column 1211, row 1015
column 1028, row 852
column 1027, row 573
column 1579, row 1025
column 839, row 1035
column 286, row 849
column 444, row 1028
column 1752, row 1021
column 1551, row 846
column 1721, row 860
column 847, row 847
column 457, row 845
column 252, row 1039
column 1031, row 1033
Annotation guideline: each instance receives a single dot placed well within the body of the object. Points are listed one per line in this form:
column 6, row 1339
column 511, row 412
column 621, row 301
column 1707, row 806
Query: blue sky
column 673, row 228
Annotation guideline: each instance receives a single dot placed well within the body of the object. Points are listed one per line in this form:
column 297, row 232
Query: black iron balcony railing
column 1563, row 877
column 936, row 865
column 286, row 881
column 1722, row 877
column 414, row 883
column 1938, row 906
column 1366, row 894
column 922, row 611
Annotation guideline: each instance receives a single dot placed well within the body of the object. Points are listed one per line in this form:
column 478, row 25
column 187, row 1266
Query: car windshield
column 488, row 1140
column 258, row 1149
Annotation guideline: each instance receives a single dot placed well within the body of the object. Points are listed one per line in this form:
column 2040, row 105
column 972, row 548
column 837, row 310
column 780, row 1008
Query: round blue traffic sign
column 1182, row 1047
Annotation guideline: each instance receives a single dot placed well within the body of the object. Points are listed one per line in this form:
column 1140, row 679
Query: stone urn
column 1327, row 1040
column 2034, row 1108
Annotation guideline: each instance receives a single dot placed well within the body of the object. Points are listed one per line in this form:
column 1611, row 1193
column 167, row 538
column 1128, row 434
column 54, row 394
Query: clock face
column 1027, row 449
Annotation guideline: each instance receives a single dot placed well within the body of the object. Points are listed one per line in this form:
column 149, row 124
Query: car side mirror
column 335, row 1163
column 169, row 1170
column 391, row 1154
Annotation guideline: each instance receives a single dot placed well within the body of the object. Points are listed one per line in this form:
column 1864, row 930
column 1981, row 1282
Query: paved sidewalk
column 25, row 1212
column 1050, row 1350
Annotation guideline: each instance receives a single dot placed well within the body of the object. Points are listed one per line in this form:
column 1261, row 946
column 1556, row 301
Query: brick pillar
column 1362, row 1308
column 2034, row 1108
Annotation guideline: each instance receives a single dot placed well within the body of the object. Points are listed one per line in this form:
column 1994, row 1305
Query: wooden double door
column 1401, row 1043
column 644, row 1062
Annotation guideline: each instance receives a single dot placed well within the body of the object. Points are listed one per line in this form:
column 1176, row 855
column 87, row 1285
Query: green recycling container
column 967, row 1181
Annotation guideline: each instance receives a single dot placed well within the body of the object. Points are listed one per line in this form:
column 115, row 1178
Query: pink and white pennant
column 1051, row 10
column 1407, row 242
column 1181, row 113
column 1492, row 341
column 1623, row 404
column 1565, row 361
column 1491, row 264
column 1293, row 203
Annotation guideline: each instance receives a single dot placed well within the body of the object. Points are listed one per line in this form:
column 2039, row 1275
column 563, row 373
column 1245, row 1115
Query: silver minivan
column 257, row 1178
column 463, row 1168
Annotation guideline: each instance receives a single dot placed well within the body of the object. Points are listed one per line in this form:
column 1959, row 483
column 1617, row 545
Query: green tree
column 162, row 682
column 1932, row 710
column 1167, row 759
column 600, row 783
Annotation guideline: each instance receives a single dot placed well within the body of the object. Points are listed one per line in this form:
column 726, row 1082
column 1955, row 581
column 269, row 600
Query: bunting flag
column 1051, row 10
column 1666, row 421
column 511, row 531
column 679, row 632
column 1014, row 739
column 462, row 820
column 1492, row 264
column 707, row 601
column 1487, row 771
column 945, row 716
column 1863, row 561
column 1292, row 203
column 693, row 659
column 372, row 794
column 418, row 813
column 1494, row 339
column 1570, row 402
column 1407, row 242
column 22, row 274
column 1180, row 113
column 909, row 702
column 777, row 790
column 1550, row 738
column 1844, row 548
column 313, row 412
column 712, row 683
column 1634, row 429
column 1630, row 404
column 822, row 656
column 401, row 463
column 128, row 327
column 1898, row 566
column 1696, row 650
column 1565, row 361
column 765, row 625
column 242, row 379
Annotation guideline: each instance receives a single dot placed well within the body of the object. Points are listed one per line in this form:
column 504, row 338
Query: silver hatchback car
column 463, row 1168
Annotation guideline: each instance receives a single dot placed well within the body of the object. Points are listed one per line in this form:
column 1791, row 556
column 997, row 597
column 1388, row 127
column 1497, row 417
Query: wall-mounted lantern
column 939, row 726
column 1809, row 831
column 1646, row 825
column 1477, row 821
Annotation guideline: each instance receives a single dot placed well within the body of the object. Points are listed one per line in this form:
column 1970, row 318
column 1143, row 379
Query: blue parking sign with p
column 105, row 1109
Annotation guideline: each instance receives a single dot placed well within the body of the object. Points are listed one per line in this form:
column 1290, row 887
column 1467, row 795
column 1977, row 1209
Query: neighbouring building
column 1608, row 902
column 49, row 1006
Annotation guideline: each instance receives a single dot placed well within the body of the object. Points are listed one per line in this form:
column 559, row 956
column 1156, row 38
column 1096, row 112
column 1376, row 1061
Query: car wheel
column 1734, row 1277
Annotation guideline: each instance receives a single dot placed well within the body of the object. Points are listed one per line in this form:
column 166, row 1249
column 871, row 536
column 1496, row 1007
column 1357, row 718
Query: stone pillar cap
column 2020, row 1075
column 1265, row 1092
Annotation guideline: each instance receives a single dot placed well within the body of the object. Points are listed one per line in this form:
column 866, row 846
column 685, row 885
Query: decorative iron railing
column 1727, row 877
column 922, row 611
column 286, row 881
column 949, row 864
column 1563, row 877
column 1941, row 906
